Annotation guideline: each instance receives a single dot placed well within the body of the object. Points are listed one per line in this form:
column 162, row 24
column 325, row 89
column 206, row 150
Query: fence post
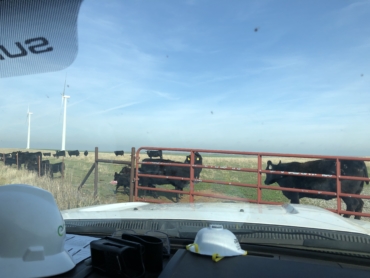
column 96, row 176
column 191, row 187
column 17, row 161
column 38, row 163
column 259, row 178
column 63, row 168
column 339, row 189
column 136, row 194
column 132, row 175
column 87, row 176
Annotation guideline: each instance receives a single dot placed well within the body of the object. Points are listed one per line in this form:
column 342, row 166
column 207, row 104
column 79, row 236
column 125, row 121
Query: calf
column 86, row 153
column 123, row 178
column 348, row 168
column 45, row 167
column 117, row 153
column 55, row 168
column 47, row 154
column 154, row 154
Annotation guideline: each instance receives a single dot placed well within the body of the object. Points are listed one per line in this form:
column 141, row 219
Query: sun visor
column 37, row 36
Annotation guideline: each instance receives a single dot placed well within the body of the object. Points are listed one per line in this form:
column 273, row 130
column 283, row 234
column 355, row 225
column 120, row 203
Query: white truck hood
column 285, row 215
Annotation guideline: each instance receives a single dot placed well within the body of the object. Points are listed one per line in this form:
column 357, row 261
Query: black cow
column 76, row 153
column 44, row 167
column 47, row 154
column 123, row 178
column 32, row 166
column 86, row 153
column 197, row 160
column 164, row 170
column 348, row 168
column 10, row 161
column 55, row 168
column 25, row 157
column 59, row 153
column 154, row 154
column 13, row 156
column 29, row 158
column 117, row 153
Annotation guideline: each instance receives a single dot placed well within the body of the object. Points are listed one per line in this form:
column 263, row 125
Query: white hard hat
column 32, row 233
column 217, row 242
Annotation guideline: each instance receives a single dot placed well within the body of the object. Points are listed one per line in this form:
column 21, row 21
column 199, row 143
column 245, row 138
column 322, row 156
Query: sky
column 263, row 76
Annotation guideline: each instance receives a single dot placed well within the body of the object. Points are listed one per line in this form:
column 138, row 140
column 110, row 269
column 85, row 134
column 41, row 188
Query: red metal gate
column 259, row 171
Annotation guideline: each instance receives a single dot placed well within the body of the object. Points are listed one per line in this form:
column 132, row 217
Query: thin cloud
column 77, row 102
column 113, row 108
column 166, row 95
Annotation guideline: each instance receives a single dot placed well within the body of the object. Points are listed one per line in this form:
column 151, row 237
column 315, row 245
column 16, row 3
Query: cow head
column 197, row 159
column 271, row 178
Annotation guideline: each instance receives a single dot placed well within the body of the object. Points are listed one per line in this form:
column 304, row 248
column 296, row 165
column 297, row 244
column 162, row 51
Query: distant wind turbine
column 29, row 127
column 64, row 100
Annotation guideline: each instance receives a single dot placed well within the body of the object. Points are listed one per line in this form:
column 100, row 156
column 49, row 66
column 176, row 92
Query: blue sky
column 195, row 74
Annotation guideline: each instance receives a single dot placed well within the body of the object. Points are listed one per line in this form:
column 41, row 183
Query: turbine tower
column 29, row 127
column 64, row 100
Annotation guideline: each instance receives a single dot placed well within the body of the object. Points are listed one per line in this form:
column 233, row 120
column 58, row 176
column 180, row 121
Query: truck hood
column 292, row 215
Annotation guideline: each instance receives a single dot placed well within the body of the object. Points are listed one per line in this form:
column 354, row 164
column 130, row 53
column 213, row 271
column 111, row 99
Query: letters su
column 35, row 45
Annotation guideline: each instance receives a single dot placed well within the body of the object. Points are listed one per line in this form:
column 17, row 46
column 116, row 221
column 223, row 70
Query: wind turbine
column 64, row 100
column 29, row 127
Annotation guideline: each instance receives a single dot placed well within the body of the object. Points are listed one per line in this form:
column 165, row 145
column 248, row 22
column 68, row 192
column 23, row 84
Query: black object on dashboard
column 117, row 257
column 153, row 251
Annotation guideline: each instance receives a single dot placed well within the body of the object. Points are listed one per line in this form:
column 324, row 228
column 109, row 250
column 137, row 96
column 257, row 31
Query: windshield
column 234, row 89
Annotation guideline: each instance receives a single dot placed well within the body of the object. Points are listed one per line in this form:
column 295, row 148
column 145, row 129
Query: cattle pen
column 258, row 170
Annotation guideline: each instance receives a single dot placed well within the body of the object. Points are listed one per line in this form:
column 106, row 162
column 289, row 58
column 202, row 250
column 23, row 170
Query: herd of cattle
column 30, row 161
column 278, row 174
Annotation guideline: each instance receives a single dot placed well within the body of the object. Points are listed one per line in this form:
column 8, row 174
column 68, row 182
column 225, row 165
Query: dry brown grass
column 64, row 192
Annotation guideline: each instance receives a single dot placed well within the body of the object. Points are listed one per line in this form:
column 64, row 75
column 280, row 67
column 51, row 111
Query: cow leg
column 154, row 193
column 294, row 198
column 351, row 204
column 360, row 206
column 178, row 196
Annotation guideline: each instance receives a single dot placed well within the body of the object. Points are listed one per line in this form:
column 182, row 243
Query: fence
column 259, row 171
column 95, row 166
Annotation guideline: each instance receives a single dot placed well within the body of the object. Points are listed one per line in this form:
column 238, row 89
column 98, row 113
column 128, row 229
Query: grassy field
column 67, row 196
